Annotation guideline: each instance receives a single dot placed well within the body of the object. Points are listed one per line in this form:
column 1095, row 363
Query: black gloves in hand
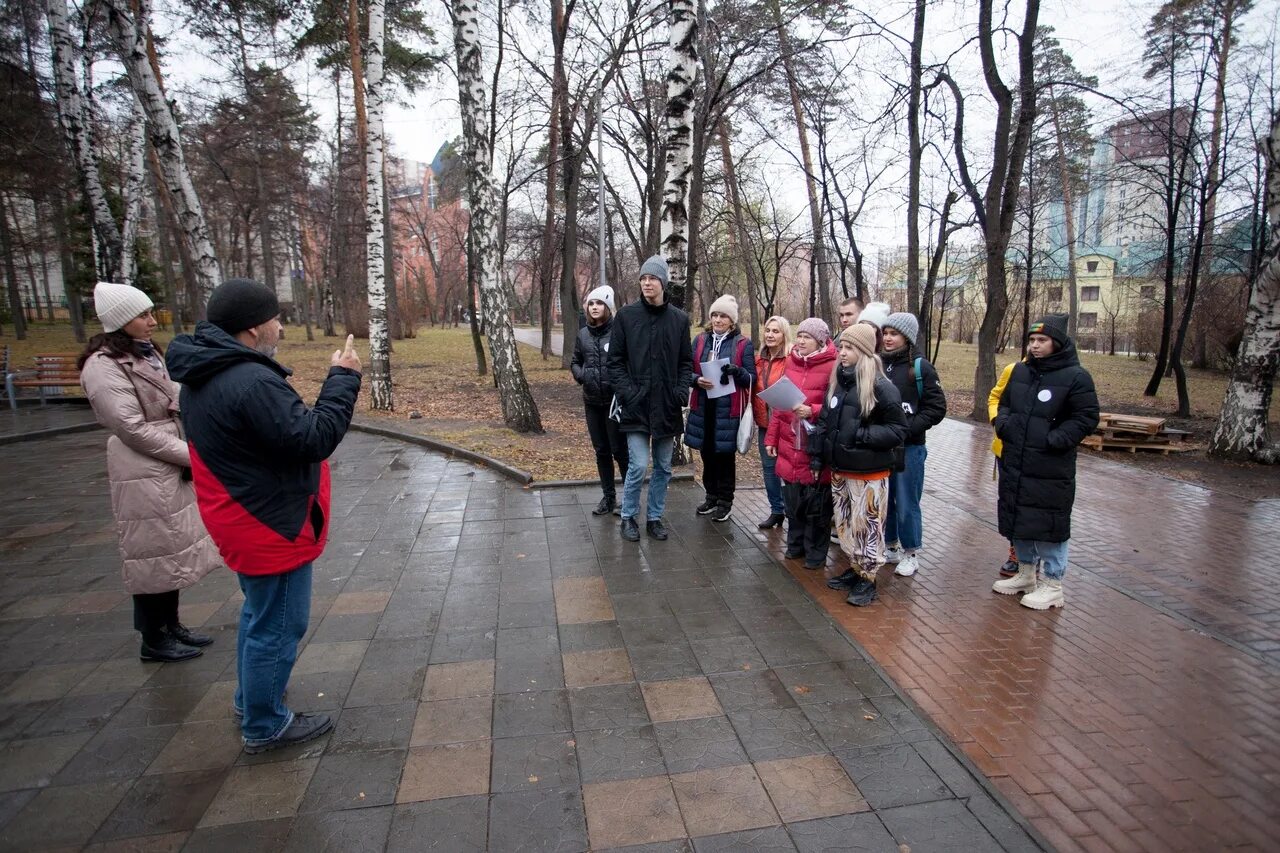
column 727, row 370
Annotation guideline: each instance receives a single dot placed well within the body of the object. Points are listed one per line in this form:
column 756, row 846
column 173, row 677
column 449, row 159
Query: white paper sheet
column 782, row 395
column 711, row 372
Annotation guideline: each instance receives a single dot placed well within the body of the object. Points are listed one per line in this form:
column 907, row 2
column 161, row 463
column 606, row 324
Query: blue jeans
column 905, row 524
column 637, row 461
column 1053, row 555
column 272, row 622
column 772, row 482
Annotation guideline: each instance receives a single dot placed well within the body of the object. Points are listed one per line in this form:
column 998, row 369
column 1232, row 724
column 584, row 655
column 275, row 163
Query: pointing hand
column 347, row 357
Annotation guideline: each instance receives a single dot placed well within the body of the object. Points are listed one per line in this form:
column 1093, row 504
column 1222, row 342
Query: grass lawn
column 435, row 375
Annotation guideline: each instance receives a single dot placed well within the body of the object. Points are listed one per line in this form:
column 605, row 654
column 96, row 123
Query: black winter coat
column 856, row 444
column 651, row 367
column 921, row 413
column 1047, row 409
column 590, row 352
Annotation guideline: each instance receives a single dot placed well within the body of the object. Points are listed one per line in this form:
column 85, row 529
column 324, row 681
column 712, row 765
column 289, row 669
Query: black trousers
column 154, row 612
column 610, row 446
column 719, row 470
column 808, row 520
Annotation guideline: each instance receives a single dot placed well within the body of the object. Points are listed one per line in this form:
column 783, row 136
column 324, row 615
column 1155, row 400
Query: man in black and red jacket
column 258, row 460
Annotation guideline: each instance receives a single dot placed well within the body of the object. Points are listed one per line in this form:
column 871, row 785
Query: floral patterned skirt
column 861, row 508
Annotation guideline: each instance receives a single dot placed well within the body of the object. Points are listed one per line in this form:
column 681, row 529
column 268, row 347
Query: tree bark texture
column 74, row 117
column 519, row 410
column 1243, row 430
column 167, row 143
column 380, row 393
column 134, row 192
column 682, row 74
column 11, row 274
column 913, row 173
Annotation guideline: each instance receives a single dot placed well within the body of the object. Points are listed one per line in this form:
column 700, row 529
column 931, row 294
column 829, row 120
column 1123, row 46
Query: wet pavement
column 505, row 673
column 1140, row 717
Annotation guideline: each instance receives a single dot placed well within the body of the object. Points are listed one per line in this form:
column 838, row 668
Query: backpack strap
column 919, row 374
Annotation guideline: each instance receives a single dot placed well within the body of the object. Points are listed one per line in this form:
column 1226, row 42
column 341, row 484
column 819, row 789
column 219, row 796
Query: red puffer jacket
column 811, row 375
column 768, row 371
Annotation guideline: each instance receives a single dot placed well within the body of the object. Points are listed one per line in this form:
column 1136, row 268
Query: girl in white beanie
column 162, row 539
column 590, row 352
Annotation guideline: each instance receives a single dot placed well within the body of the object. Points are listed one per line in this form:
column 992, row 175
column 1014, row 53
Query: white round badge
column 1045, row 395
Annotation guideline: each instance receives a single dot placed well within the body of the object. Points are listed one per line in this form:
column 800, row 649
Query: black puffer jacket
column 857, row 444
column 590, row 352
column 651, row 367
column 921, row 413
column 1047, row 409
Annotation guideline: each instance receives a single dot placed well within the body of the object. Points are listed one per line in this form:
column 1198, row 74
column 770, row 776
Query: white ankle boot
column 1023, row 581
column 1048, row 593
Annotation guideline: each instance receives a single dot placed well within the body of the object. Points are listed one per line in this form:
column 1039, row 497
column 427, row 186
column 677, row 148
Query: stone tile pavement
column 506, row 674
column 1143, row 715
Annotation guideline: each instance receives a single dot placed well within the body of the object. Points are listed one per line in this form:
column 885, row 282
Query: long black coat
column 651, row 367
column 590, row 352
column 1047, row 409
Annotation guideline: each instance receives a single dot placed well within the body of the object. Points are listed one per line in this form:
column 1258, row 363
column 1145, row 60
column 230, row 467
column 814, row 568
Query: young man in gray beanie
column 651, row 369
column 258, row 459
column 925, row 406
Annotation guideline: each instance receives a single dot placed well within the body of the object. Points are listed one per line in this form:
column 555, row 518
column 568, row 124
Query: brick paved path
column 1141, row 717
column 506, row 673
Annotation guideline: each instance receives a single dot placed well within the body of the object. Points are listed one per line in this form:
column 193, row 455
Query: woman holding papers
column 771, row 363
column 807, row 490
column 726, row 370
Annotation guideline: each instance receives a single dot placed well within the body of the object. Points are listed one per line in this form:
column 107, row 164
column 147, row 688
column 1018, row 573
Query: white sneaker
column 907, row 566
column 893, row 555
column 1048, row 593
column 1023, row 581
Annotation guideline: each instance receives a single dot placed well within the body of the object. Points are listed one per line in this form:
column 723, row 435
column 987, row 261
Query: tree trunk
column 743, row 249
column 682, row 74
column 1243, row 431
column 167, row 227
column 134, row 191
column 473, row 315
column 1069, row 217
column 519, row 410
column 915, row 159
column 380, row 391
column 546, row 255
column 76, row 128
column 11, row 274
column 166, row 141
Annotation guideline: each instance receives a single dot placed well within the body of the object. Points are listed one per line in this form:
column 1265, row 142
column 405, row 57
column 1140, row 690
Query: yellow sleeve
column 997, row 391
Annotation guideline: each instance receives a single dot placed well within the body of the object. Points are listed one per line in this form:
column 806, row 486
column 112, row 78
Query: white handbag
column 746, row 427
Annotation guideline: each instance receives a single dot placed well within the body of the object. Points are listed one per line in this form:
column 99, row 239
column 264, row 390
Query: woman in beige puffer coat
column 163, row 542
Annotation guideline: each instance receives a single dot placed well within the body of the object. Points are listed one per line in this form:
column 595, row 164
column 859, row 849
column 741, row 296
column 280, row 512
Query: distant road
column 533, row 337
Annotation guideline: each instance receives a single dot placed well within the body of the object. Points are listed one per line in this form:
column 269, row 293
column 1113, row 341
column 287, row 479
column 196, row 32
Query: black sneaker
column 164, row 648
column 793, row 553
column 605, row 506
column 843, row 581
column 186, row 636
column 630, row 530
column 862, row 593
column 707, row 507
column 813, row 567
column 304, row 727
column 1009, row 569
column 656, row 529
column 722, row 512
column 775, row 519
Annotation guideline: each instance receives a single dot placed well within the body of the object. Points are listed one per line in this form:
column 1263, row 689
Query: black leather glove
column 725, row 371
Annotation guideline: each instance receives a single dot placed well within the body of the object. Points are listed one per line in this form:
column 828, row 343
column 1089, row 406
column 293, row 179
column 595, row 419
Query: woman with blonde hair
column 771, row 363
column 862, row 425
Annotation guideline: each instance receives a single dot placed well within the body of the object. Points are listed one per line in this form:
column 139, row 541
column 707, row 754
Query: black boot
column 656, row 529
column 862, row 593
column 844, row 581
column 775, row 519
column 707, row 507
column 163, row 647
column 187, row 637
column 630, row 530
column 606, row 505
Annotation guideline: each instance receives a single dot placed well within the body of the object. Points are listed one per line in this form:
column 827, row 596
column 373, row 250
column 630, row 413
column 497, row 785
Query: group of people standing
column 847, row 464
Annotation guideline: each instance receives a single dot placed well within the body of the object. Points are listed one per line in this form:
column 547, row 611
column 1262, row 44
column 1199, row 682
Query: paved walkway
column 1141, row 717
column 506, row 674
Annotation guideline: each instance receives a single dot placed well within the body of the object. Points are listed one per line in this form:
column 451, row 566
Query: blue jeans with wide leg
column 772, row 482
column 638, row 445
column 1051, row 556
column 905, row 524
column 272, row 622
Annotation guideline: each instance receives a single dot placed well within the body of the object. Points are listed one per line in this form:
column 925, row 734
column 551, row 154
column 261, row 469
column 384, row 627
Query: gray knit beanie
column 905, row 323
column 657, row 266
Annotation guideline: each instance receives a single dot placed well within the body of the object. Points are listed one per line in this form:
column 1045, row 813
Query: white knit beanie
column 726, row 305
column 875, row 313
column 117, row 304
column 603, row 293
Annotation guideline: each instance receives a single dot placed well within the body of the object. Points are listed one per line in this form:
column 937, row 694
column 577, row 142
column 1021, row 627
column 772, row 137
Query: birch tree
column 380, row 394
column 75, row 120
column 519, row 410
column 682, row 74
column 135, row 187
column 165, row 140
column 1243, row 429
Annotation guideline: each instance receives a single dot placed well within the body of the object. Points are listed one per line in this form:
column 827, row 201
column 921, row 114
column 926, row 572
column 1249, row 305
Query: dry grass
column 435, row 375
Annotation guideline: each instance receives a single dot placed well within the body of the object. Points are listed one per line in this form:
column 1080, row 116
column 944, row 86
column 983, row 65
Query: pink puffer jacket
column 162, row 539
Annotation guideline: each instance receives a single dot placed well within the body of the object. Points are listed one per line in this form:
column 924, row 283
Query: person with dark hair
column 590, row 350
column 259, row 457
column 163, row 542
column 1047, row 409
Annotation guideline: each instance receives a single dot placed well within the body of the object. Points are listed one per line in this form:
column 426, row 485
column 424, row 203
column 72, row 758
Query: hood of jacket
column 823, row 356
column 1064, row 357
column 603, row 329
column 902, row 355
column 196, row 358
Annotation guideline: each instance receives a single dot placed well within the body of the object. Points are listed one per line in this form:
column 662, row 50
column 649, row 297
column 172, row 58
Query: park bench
column 51, row 370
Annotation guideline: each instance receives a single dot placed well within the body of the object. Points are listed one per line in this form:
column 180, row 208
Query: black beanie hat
column 241, row 303
column 1053, row 325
